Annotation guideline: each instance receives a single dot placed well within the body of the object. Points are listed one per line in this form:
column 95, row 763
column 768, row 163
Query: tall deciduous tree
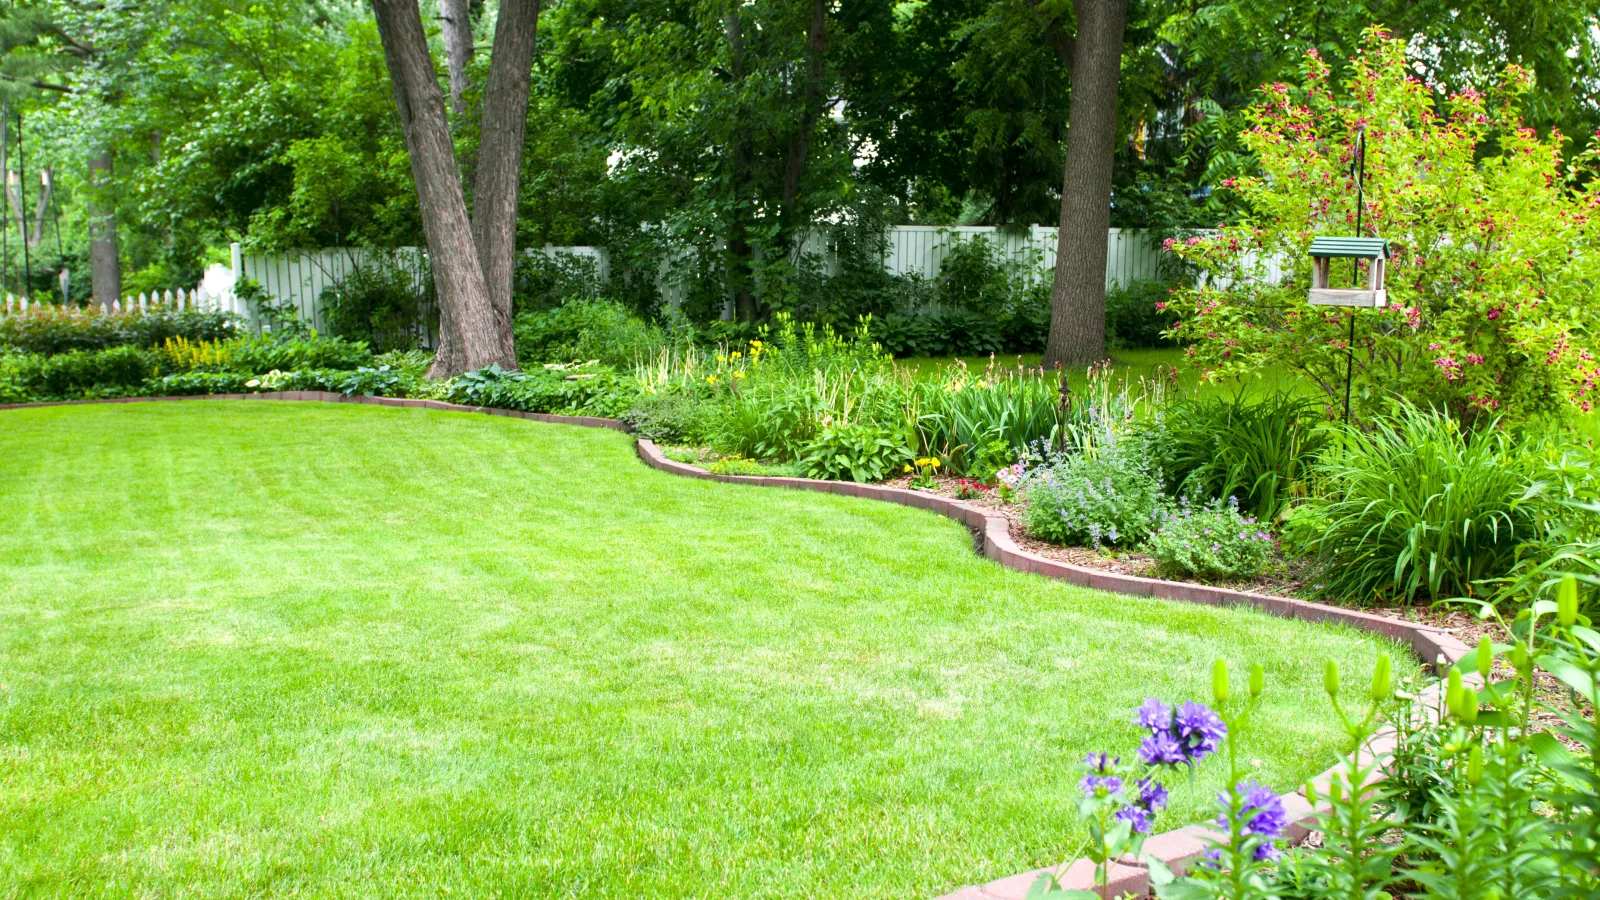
column 1078, row 296
column 471, row 256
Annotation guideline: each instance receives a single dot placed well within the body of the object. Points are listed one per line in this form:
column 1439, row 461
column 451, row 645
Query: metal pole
column 1360, row 165
column 22, row 203
column 5, row 199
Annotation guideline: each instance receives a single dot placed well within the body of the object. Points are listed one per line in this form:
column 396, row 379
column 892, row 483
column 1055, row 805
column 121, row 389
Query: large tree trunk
column 455, row 24
column 1078, row 299
column 105, row 264
column 499, row 174
column 465, row 308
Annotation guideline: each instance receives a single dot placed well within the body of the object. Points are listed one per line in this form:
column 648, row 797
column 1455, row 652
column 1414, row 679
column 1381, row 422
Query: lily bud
column 1219, row 681
column 1382, row 678
column 1311, row 792
column 1520, row 659
column 1485, row 657
column 1330, row 678
column 1567, row 602
column 1258, row 679
column 1452, row 691
column 1475, row 765
column 1469, row 705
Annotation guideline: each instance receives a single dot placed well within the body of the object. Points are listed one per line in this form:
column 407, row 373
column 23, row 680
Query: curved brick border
column 1176, row 848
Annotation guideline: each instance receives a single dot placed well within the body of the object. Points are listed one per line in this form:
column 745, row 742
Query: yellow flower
column 738, row 374
column 755, row 345
column 721, row 358
column 934, row 463
column 711, row 379
column 735, row 355
column 908, row 468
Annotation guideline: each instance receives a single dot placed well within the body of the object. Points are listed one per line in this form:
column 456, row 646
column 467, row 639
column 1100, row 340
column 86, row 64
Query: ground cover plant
column 275, row 647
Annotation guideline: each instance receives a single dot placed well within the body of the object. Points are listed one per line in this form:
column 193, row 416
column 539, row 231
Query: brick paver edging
column 1176, row 848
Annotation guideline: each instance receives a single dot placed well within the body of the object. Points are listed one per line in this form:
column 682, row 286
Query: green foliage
column 117, row 371
column 670, row 418
column 738, row 465
column 1109, row 497
column 550, row 282
column 386, row 302
column 582, row 330
column 1210, row 541
column 563, row 390
column 1419, row 507
column 853, row 452
column 1490, row 283
column 1136, row 313
column 963, row 419
column 53, row 329
column 1259, row 449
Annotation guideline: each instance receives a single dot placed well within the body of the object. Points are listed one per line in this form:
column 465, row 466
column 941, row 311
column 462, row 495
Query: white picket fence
column 922, row 249
column 197, row 299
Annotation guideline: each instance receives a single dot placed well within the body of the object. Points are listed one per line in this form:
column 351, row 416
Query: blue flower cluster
column 1261, row 815
column 1138, row 808
column 1184, row 737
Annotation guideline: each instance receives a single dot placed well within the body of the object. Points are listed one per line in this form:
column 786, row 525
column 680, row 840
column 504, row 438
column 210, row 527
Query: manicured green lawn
column 340, row 651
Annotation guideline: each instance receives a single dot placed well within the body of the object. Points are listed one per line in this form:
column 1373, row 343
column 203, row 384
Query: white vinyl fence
column 297, row 280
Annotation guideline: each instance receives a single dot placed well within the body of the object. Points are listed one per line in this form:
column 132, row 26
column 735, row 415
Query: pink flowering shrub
column 1495, row 241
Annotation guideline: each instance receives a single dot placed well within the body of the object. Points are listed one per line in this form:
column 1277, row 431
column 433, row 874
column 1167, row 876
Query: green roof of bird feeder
column 1350, row 247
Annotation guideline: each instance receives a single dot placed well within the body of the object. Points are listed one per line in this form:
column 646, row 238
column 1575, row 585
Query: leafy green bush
column 961, row 420
column 673, row 417
column 591, row 391
column 52, row 330
column 1107, row 497
column 853, row 452
column 543, row 282
column 189, row 384
column 286, row 352
column 951, row 332
column 1136, row 314
column 384, row 303
column 583, row 330
column 1260, row 450
column 1210, row 541
column 1420, row 506
column 118, row 371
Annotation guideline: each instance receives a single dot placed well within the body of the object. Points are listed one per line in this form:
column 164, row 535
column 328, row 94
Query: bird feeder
column 1326, row 249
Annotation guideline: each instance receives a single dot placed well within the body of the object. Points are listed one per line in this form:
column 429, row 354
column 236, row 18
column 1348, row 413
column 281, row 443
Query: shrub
column 1107, row 497
column 854, row 452
column 118, row 371
column 584, row 330
column 673, row 418
column 383, row 303
column 1136, row 314
column 1211, row 541
column 286, row 352
column 1493, row 242
column 52, row 330
column 592, row 391
column 1259, row 450
column 1421, row 506
column 548, row 282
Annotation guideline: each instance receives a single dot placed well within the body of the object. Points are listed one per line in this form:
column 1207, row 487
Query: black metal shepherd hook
column 1358, row 168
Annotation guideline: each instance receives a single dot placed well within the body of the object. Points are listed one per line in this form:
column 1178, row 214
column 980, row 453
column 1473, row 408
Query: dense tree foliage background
column 715, row 138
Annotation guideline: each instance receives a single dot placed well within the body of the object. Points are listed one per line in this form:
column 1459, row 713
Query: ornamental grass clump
column 1420, row 507
column 1107, row 498
column 1211, row 541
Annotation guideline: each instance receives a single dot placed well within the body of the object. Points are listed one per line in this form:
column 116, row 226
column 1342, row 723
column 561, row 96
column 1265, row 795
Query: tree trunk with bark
column 455, row 25
column 499, row 168
column 1078, row 297
column 466, row 311
column 105, row 264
